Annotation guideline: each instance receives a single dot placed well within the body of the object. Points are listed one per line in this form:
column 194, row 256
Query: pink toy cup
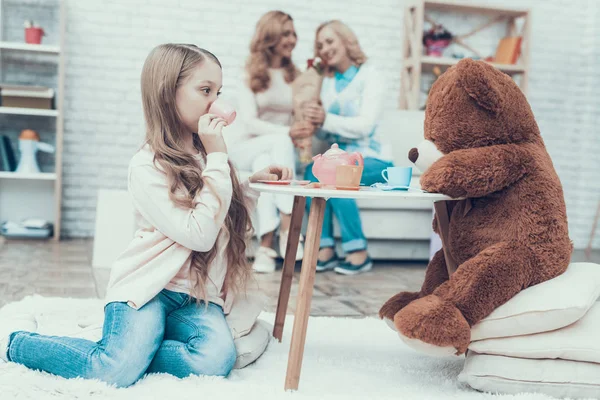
column 223, row 110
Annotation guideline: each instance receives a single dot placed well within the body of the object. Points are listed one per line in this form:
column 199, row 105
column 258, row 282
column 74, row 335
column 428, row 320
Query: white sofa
column 395, row 230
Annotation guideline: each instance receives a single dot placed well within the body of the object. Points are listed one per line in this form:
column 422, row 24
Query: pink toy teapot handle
column 357, row 157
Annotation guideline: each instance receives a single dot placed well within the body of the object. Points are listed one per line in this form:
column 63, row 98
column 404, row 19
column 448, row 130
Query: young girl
column 352, row 96
column 170, row 290
column 265, row 107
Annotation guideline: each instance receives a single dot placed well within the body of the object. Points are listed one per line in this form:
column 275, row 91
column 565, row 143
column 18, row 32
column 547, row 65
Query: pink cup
column 223, row 110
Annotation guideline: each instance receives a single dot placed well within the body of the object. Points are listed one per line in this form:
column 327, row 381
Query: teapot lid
column 334, row 151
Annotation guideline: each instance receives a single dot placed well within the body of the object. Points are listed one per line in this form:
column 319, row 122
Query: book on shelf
column 7, row 155
column 509, row 50
column 29, row 228
column 24, row 96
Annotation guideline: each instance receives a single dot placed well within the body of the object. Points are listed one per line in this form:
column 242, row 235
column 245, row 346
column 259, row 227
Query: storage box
column 27, row 97
column 509, row 50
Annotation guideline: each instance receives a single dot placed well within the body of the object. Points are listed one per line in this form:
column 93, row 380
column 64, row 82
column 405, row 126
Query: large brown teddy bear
column 510, row 231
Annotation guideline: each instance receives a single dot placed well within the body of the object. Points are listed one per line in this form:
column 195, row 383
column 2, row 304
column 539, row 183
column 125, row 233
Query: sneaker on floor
column 328, row 265
column 264, row 260
column 20, row 322
column 346, row 268
column 283, row 238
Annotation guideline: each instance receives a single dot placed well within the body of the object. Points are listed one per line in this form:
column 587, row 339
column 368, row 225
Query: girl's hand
column 273, row 173
column 301, row 129
column 314, row 113
column 210, row 128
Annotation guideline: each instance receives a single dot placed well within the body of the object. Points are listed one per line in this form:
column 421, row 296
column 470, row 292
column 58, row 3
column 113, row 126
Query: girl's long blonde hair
column 355, row 53
column 166, row 67
column 266, row 36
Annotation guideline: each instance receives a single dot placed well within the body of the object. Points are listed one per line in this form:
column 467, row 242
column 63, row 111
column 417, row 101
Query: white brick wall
column 107, row 42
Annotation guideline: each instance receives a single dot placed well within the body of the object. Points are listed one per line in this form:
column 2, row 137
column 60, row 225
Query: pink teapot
column 325, row 164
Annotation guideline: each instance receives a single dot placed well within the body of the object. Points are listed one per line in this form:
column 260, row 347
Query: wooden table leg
column 288, row 265
column 305, row 291
column 443, row 220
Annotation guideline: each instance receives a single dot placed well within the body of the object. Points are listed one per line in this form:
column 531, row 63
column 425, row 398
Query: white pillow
column 558, row 378
column 252, row 345
column 576, row 342
column 244, row 312
column 544, row 307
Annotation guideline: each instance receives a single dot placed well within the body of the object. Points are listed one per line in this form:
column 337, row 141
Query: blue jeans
column 170, row 334
column 346, row 210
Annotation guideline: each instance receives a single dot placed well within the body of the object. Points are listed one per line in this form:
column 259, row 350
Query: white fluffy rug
column 343, row 359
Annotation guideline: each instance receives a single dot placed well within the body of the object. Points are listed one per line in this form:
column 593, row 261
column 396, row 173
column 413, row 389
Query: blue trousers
column 169, row 334
column 346, row 210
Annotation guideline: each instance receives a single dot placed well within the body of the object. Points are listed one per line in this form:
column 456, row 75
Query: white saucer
column 386, row 186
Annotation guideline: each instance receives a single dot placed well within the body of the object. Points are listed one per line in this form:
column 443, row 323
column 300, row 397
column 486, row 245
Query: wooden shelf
column 451, row 5
column 517, row 22
column 42, row 176
column 39, row 194
column 35, row 48
column 429, row 62
column 29, row 111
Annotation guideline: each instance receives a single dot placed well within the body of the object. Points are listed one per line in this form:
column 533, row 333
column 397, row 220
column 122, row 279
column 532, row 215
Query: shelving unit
column 428, row 62
column 416, row 63
column 42, row 176
column 34, row 195
column 35, row 48
column 28, row 111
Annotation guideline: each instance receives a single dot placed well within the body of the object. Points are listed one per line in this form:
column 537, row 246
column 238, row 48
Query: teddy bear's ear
column 481, row 83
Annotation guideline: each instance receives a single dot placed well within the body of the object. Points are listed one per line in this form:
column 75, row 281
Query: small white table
column 312, row 243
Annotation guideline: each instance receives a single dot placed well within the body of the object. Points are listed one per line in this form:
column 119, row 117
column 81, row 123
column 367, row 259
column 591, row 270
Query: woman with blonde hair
column 265, row 108
column 352, row 99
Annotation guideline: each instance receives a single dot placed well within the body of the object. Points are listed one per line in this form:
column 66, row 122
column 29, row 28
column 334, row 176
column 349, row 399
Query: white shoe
column 19, row 322
column 283, row 238
column 264, row 260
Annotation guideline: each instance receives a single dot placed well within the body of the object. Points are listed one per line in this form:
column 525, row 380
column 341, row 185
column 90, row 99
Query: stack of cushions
column 546, row 339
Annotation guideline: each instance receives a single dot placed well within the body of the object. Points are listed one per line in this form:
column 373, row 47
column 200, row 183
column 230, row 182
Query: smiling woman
column 265, row 109
column 352, row 97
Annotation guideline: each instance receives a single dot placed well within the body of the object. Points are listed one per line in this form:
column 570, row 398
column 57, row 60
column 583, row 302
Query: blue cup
column 397, row 176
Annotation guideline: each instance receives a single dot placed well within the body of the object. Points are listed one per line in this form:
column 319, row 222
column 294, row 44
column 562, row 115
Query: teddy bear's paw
column 436, row 323
column 395, row 304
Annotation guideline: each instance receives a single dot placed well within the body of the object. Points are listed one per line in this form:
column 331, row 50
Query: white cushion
column 576, row 342
column 252, row 345
column 115, row 226
column 402, row 130
column 544, row 307
column 558, row 378
column 244, row 312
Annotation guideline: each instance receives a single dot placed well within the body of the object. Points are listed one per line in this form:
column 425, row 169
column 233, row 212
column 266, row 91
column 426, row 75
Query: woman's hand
column 301, row 130
column 273, row 173
column 314, row 113
column 210, row 128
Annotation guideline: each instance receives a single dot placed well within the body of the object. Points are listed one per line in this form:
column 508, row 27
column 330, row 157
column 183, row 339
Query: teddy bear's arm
column 477, row 172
